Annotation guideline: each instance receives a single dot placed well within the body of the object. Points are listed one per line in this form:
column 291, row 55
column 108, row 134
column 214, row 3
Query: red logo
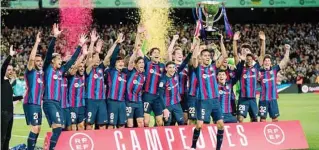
column 274, row 134
column 81, row 141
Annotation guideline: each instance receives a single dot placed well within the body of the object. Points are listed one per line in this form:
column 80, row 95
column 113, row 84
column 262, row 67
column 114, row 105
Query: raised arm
column 185, row 62
column 283, row 63
column 262, row 47
column 195, row 46
column 6, row 63
column 33, row 53
column 171, row 48
column 79, row 60
column 120, row 39
column 235, row 48
column 48, row 57
column 68, row 65
column 223, row 51
column 114, row 55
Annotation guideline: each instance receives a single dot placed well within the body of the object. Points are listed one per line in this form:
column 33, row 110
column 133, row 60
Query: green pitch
column 303, row 107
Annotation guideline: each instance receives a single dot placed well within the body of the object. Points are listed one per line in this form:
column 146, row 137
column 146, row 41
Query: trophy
column 210, row 9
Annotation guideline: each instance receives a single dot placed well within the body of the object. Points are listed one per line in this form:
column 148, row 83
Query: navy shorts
column 77, row 114
column 96, row 112
column 53, row 112
column 152, row 103
column 270, row 107
column 67, row 117
column 117, row 112
column 184, row 103
column 229, row 118
column 246, row 105
column 33, row 114
column 192, row 107
column 134, row 110
column 208, row 108
column 176, row 111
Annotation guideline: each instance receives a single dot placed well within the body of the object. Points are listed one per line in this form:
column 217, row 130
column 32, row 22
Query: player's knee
column 240, row 118
column 274, row 119
column 110, row 127
column 254, row 120
column 35, row 129
column 220, row 124
column 56, row 126
column 140, row 123
column 130, row 123
column 88, row 127
column 199, row 124
column 102, row 127
column 262, row 119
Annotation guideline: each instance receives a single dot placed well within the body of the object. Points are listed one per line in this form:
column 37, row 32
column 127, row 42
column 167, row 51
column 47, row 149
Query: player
column 177, row 55
column 66, row 124
column 248, row 72
column 53, row 72
column 32, row 99
column 169, row 92
column 208, row 104
column 153, row 72
column 269, row 95
column 76, row 93
column 96, row 110
column 225, row 89
column 117, row 81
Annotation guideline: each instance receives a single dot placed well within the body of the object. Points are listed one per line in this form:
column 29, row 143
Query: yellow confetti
column 154, row 15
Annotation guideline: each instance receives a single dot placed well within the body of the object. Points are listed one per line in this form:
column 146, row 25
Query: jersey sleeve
column 277, row 68
column 68, row 65
column 161, row 91
column 49, row 53
column 184, row 63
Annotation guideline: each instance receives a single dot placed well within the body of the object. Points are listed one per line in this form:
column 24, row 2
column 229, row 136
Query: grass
column 303, row 107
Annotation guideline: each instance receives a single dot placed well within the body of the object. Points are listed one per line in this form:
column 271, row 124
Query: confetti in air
column 154, row 15
column 76, row 18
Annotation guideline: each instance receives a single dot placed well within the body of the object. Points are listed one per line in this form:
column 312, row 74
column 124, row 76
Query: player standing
column 269, row 95
column 208, row 104
column 32, row 99
column 248, row 74
column 53, row 72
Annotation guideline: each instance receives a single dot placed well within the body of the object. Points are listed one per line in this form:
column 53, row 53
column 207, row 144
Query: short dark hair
column 267, row 56
column 120, row 57
column 153, row 49
column 250, row 54
column 169, row 63
column 138, row 59
column 204, row 50
column 221, row 70
column 176, row 49
column 38, row 55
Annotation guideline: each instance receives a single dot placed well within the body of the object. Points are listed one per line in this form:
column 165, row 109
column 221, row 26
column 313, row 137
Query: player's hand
column 55, row 30
column 262, row 35
column 12, row 52
column 140, row 28
column 120, row 38
column 166, row 114
column 221, row 37
column 83, row 39
column 236, row 36
column 242, row 56
column 38, row 39
column 287, row 47
column 99, row 46
column 85, row 49
column 175, row 37
column 94, row 36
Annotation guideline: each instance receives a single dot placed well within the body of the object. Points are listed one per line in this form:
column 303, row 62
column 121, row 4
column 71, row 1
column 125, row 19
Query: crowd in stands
column 303, row 38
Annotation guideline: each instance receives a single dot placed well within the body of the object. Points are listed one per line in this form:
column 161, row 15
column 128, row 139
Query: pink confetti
column 75, row 19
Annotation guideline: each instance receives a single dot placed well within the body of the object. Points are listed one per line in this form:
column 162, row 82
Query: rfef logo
column 274, row 134
column 81, row 141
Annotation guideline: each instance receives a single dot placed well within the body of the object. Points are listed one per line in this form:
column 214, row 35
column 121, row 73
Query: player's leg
column 229, row 118
column 184, row 106
column 191, row 102
column 112, row 108
column 274, row 110
column 101, row 115
column 80, row 114
column 91, row 113
column 243, row 106
column 178, row 113
column 130, row 110
column 33, row 115
column 138, row 114
column 67, row 119
column 217, row 117
column 53, row 114
column 73, row 115
column 147, row 111
column 158, row 111
column 203, row 110
column 168, row 121
column 253, row 110
column 263, row 110
column 121, row 114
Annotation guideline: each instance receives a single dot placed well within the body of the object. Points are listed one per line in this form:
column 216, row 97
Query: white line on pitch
column 20, row 136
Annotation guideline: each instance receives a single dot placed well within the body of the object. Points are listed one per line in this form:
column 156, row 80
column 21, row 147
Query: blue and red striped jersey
column 193, row 82
column 248, row 80
column 117, row 84
column 35, row 87
column 268, row 80
column 208, row 86
column 170, row 86
column 225, row 92
column 64, row 92
column 134, row 86
column 76, row 90
column 94, row 82
column 183, row 79
column 153, row 72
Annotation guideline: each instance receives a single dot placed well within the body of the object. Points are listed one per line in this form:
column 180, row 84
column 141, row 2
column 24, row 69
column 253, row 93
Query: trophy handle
column 219, row 17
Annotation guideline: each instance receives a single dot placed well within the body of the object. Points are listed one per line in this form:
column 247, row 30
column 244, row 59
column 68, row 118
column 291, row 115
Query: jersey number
column 241, row 107
column 35, row 116
column 146, row 104
column 192, row 110
column 128, row 110
column 262, row 109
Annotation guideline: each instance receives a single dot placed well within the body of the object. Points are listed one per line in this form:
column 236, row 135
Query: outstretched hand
column 236, row 36
column 120, row 38
column 55, row 30
column 12, row 52
column 94, row 36
column 83, row 39
column 38, row 39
